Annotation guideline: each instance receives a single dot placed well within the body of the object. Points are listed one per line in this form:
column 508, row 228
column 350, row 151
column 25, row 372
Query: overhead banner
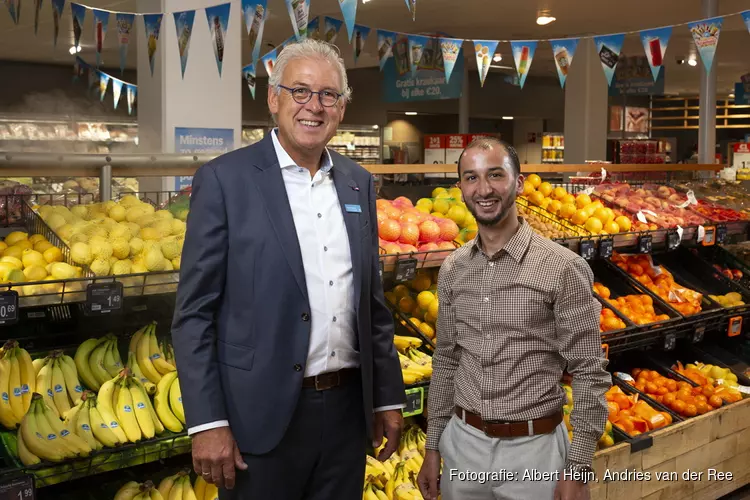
column 349, row 11
column 484, row 50
column 563, row 51
column 655, row 45
column 608, row 47
column 218, row 21
column 101, row 21
column 417, row 45
column 449, row 50
column 634, row 77
column 152, row 24
column 299, row 12
column 386, row 39
column 130, row 94
column 430, row 82
column 255, row 13
column 359, row 39
column 124, row 28
column 79, row 16
column 57, row 8
column 183, row 22
column 116, row 90
column 331, row 27
column 14, row 9
column 746, row 18
column 103, row 84
column 706, row 37
column 523, row 55
column 412, row 6
column 269, row 61
column 37, row 11
column 248, row 73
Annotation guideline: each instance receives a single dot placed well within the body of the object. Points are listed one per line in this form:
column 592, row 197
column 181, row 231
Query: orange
column 554, row 206
column 669, row 399
column 545, row 188
column 601, row 214
column 608, row 313
column 702, row 407
column 691, row 410
column 624, row 223
column 679, row 406
column 406, row 304
column 604, row 292
column 611, row 227
column 610, row 324
column 567, row 210
column 535, row 180
column 583, row 200
column 715, row 401
column 579, row 217
column 528, row 188
column 536, row 198
column 559, row 192
column 652, row 388
column 568, row 198
column 594, row 225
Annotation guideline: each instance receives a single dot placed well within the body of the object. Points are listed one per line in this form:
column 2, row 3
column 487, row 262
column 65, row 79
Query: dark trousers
column 321, row 456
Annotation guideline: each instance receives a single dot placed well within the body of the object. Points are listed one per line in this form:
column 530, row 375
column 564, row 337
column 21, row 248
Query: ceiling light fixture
column 74, row 49
column 497, row 57
column 507, row 117
column 410, row 113
column 544, row 18
column 731, row 96
column 692, row 61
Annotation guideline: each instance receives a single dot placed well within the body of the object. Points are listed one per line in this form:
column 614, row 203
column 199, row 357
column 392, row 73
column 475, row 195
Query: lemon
column 36, row 238
column 400, row 291
column 3, row 246
column 429, row 318
column 122, row 267
column 13, row 261
column 433, row 308
column 414, row 321
column 81, row 253
column 455, row 193
column 424, row 299
column 100, row 266
column 43, row 246
column 15, row 237
column 32, row 258
column 441, row 205
column 437, row 191
column 62, row 271
column 425, row 203
column 456, row 214
column 23, row 244
column 428, row 331
column 35, row 273
column 120, row 248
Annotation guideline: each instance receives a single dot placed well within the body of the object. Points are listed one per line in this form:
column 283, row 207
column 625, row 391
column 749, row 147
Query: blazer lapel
column 272, row 189
column 349, row 194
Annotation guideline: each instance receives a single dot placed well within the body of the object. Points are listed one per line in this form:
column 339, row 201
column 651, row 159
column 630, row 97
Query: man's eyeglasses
column 302, row 95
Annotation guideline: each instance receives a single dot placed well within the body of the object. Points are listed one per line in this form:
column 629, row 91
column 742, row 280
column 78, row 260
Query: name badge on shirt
column 353, row 209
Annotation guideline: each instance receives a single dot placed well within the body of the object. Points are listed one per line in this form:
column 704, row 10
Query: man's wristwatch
column 579, row 472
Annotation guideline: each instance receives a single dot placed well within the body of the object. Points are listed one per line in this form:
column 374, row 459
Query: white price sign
column 741, row 158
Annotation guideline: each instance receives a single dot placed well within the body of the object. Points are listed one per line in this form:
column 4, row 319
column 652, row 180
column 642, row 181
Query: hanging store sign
column 634, row 77
column 200, row 141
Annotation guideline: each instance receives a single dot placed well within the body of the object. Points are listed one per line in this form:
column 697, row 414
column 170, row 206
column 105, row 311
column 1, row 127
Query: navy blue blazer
column 241, row 324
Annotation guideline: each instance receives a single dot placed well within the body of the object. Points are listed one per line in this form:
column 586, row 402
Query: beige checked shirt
column 507, row 328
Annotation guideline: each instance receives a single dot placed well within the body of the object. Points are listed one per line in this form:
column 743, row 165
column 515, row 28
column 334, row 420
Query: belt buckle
column 322, row 387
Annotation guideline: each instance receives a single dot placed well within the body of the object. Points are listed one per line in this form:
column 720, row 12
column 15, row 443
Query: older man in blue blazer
column 283, row 340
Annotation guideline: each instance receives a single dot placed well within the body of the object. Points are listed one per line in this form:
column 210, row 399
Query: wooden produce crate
column 718, row 440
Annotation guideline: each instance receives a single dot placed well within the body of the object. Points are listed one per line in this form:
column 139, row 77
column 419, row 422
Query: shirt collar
column 286, row 161
column 515, row 247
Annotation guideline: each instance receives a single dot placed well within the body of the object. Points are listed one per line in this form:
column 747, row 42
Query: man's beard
column 505, row 205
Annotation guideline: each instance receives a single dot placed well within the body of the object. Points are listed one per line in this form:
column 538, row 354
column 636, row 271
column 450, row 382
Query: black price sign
column 698, row 334
column 645, row 243
column 104, row 298
column 414, row 401
column 606, row 248
column 586, row 249
column 8, row 307
column 670, row 340
column 406, row 270
column 721, row 233
column 18, row 489
column 673, row 240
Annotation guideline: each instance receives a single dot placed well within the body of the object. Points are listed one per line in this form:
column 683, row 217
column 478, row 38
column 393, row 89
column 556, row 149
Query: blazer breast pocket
column 234, row 355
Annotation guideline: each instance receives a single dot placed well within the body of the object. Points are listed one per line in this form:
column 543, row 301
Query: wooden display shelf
column 718, row 440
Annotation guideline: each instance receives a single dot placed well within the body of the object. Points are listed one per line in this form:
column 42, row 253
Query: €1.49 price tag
column 104, row 298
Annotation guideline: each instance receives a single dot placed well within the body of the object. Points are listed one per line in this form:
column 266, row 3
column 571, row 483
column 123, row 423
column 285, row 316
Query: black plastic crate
column 721, row 258
column 713, row 355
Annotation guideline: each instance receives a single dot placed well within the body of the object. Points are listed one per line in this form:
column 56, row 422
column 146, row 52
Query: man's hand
column 388, row 423
column 429, row 475
column 215, row 455
column 569, row 489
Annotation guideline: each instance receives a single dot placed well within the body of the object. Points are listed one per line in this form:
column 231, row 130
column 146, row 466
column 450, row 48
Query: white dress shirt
column 326, row 257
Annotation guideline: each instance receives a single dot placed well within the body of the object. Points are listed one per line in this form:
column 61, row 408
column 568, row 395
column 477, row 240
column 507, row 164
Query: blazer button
column 305, row 317
column 298, row 367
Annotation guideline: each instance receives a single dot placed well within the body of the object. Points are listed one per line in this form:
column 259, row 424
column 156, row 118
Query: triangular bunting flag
column 101, row 20
column 103, row 84
column 360, row 37
column 386, row 39
column 248, row 72
column 412, row 6
column 523, row 55
column 79, row 15
column 608, row 47
column 124, row 28
column 417, row 45
column 706, row 36
column 349, row 10
column 313, row 28
column 57, row 8
column 116, row 90
column 37, row 11
column 78, row 69
column 450, row 49
column 655, row 44
column 218, row 22
column 746, row 18
column 130, row 93
column 299, row 11
column 331, row 27
column 255, row 13
column 484, row 51
column 93, row 75
column 269, row 61
column 183, row 22
column 14, row 9
column 563, row 51
column 152, row 25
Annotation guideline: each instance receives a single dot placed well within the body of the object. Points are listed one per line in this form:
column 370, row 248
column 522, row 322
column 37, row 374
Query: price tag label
column 406, row 270
column 18, row 489
column 587, row 249
column 673, row 240
column 606, row 248
column 721, row 233
column 709, row 236
column 8, row 307
column 645, row 243
column 670, row 340
column 735, row 326
column 414, row 401
column 104, row 298
column 698, row 334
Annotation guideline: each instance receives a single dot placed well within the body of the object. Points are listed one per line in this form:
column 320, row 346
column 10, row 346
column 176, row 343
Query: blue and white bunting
column 359, row 39
column 183, row 22
column 563, row 51
column 655, row 45
column 706, row 37
column 218, row 23
column 124, row 23
column 609, row 47
column 101, row 21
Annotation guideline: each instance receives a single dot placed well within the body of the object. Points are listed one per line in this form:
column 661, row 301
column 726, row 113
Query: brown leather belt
column 544, row 425
column 329, row 380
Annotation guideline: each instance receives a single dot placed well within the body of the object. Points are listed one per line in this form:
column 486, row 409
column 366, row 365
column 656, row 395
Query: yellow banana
column 157, row 356
column 38, row 364
column 59, row 394
column 135, row 338
column 128, row 491
column 125, row 412
column 7, row 418
column 81, row 425
column 70, row 373
column 109, row 363
column 144, row 360
column 14, row 385
column 411, row 377
column 81, row 358
column 45, row 429
column 175, row 400
column 77, row 444
column 369, row 493
column 149, row 386
column 27, row 458
column 154, row 495
column 114, row 425
column 176, row 492
column 105, row 396
column 28, row 377
column 96, row 363
column 166, row 484
column 44, row 386
column 158, row 427
column 161, row 404
column 187, row 490
column 140, row 408
column 100, row 429
column 199, row 487
column 44, row 446
column 212, row 492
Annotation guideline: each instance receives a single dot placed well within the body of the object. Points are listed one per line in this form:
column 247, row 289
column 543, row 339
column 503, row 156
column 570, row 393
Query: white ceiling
column 470, row 19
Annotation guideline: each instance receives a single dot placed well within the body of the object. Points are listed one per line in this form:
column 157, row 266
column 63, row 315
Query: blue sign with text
column 201, row 141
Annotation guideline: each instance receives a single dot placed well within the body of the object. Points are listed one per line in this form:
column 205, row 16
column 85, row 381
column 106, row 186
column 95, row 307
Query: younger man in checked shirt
column 516, row 310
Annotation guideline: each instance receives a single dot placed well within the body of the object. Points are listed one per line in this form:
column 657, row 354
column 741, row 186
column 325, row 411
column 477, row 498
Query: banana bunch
column 178, row 487
column 402, row 486
column 17, row 384
column 168, row 402
column 42, row 436
column 153, row 363
column 416, row 366
column 133, row 490
column 377, row 474
column 57, row 381
column 402, row 342
column 402, row 467
column 125, row 397
column 98, row 360
column 372, row 492
column 95, row 423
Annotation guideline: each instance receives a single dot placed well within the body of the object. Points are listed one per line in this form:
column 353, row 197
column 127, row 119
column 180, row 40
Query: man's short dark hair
column 488, row 142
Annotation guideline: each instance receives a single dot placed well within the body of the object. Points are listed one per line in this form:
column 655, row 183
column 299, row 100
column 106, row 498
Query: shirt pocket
column 527, row 303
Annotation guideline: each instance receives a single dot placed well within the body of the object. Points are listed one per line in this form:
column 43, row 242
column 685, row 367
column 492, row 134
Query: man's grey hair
column 310, row 49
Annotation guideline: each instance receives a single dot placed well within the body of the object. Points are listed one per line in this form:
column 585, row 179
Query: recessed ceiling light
column 376, row 127
column 507, row 117
column 411, row 113
column 497, row 58
column 74, row 49
column 692, row 61
column 731, row 96
column 544, row 17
